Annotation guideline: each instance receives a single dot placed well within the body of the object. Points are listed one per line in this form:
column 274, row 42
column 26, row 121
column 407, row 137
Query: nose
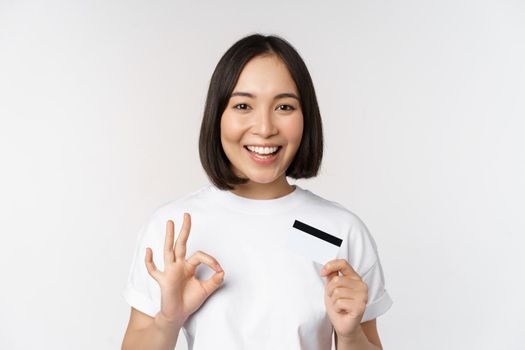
column 264, row 125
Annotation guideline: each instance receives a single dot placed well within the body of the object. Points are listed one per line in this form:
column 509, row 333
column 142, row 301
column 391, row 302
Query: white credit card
column 312, row 243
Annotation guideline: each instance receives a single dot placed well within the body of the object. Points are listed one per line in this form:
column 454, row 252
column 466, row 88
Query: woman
column 269, row 284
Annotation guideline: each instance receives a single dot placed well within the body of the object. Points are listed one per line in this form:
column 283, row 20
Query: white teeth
column 262, row 150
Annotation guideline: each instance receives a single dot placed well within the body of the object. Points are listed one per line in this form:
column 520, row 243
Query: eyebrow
column 283, row 95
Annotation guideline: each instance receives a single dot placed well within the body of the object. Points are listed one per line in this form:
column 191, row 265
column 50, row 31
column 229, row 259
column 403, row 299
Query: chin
column 259, row 177
column 262, row 182
column 263, row 179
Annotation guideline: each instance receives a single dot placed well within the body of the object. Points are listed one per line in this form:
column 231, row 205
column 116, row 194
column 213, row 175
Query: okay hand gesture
column 181, row 292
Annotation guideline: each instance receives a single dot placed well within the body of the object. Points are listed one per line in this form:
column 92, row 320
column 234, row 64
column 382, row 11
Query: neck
column 272, row 190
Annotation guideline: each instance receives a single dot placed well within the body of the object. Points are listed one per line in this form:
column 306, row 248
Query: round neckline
column 228, row 199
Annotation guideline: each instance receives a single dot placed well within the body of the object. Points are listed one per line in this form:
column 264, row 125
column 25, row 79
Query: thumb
column 214, row 282
column 331, row 275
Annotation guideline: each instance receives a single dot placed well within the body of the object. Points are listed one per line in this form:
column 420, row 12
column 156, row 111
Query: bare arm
column 367, row 339
column 146, row 332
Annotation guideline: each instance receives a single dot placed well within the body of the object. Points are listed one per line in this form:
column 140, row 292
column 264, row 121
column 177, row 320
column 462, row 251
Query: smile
column 263, row 150
column 263, row 155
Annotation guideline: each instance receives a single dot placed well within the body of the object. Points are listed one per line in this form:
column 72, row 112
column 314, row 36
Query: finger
column 180, row 244
column 343, row 282
column 360, row 298
column 168, row 243
column 200, row 257
column 331, row 276
column 150, row 265
column 348, row 306
column 340, row 265
column 211, row 284
column 341, row 292
column 214, row 282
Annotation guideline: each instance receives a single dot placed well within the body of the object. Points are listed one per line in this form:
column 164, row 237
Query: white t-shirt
column 270, row 298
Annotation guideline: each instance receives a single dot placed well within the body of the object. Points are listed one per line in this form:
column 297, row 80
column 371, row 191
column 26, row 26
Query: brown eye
column 287, row 108
column 241, row 106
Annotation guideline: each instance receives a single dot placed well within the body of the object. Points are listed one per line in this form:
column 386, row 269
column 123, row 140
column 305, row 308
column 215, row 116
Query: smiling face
column 262, row 124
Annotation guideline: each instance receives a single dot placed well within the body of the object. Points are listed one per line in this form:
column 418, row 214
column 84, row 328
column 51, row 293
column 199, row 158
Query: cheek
column 294, row 130
column 231, row 129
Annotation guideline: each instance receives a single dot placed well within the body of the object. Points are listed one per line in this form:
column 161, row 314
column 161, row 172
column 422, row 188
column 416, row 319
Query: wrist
column 356, row 337
column 163, row 322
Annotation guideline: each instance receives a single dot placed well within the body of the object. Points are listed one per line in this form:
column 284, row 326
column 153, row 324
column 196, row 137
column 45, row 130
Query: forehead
column 265, row 75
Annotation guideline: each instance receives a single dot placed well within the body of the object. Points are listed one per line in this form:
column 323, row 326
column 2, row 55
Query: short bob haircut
column 216, row 164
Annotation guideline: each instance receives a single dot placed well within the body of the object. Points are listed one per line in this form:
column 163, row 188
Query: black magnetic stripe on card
column 317, row 233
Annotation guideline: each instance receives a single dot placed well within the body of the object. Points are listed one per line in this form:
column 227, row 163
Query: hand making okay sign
column 181, row 292
column 345, row 297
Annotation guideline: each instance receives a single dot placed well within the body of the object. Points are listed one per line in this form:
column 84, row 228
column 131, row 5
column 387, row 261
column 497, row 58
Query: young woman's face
column 263, row 116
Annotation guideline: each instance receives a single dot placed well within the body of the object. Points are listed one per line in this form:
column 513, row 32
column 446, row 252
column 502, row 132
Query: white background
column 424, row 115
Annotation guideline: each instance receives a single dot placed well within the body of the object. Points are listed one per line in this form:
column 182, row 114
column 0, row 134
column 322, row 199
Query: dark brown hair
column 216, row 164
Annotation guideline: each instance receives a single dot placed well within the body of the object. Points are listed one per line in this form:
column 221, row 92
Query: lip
column 265, row 161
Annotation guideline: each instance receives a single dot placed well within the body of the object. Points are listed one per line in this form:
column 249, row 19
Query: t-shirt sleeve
column 142, row 292
column 360, row 250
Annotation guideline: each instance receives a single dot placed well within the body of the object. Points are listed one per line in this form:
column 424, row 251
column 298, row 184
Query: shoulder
column 342, row 218
column 332, row 208
column 185, row 203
